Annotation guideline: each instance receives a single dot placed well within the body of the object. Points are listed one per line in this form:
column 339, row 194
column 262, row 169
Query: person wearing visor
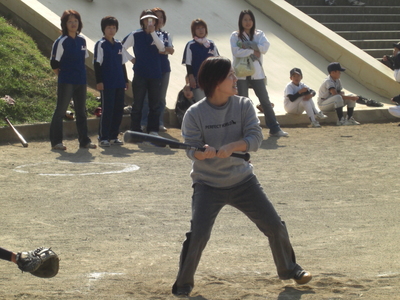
column 147, row 70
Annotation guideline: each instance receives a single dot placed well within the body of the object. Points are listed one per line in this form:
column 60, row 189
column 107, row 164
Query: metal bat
column 138, row 137
column 21, row 138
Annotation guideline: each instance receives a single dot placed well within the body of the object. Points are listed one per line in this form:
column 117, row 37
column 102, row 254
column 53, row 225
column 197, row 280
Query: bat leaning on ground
column 138, row 137
column 21, row 138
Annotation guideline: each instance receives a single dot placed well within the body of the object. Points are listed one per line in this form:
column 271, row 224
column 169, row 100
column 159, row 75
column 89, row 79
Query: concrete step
column 373, row 44
column 369, row 35
column 349, row 9
column 373, row 27
column 362, row 26
column 344, row 2
column 339, row 18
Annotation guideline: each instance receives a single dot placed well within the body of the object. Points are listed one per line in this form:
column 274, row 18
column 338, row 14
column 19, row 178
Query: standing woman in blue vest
column 68, row 62
column 197, row 51
column 165, row 69
column 147, row 71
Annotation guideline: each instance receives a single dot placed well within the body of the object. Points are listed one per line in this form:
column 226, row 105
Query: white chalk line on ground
column 93, row 277
column 125, row 168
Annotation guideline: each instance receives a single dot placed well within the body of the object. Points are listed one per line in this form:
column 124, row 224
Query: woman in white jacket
column 252, row 42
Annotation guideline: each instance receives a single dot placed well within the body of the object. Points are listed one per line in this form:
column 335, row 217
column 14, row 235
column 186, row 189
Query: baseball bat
column 21, row 138
column 138, row 137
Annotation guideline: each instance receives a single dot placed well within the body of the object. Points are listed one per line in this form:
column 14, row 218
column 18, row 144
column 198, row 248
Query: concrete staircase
column 372, row 28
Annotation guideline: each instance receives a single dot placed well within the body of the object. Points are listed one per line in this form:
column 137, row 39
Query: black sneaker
column 182, row 292
column 302, row 277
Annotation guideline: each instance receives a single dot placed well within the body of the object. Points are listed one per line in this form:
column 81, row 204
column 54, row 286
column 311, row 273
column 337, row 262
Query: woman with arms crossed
column 249, row 41
column 228, row 123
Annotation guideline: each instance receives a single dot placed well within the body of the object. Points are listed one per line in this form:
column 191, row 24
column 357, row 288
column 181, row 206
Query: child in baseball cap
column 331, row 97
column 298, row 98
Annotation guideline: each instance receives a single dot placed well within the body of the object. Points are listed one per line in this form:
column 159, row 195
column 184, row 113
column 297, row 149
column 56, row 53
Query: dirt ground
column 118, row 216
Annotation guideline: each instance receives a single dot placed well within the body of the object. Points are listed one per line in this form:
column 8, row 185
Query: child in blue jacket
column 111, row 80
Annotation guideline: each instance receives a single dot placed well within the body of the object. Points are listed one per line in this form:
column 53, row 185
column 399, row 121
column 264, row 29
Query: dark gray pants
column 66, row 92
column 249, row 198
column 261, row 92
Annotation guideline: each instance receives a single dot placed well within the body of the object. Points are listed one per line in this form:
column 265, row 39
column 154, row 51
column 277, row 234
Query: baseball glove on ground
column 42, row 262
column 369, row 102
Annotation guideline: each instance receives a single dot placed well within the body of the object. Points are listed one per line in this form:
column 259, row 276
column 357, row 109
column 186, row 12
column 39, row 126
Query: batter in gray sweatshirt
column 216, row 126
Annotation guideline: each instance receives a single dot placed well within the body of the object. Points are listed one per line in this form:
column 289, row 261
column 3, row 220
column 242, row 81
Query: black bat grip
column 245, row 156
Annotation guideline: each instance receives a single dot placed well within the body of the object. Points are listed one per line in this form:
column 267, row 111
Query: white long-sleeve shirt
column 263, row 46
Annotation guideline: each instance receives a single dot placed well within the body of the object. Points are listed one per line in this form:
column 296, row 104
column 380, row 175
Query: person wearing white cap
column 147, row 71
column 165, row 68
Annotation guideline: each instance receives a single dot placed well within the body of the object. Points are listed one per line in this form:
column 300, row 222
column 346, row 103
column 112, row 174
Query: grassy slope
column 27, row 77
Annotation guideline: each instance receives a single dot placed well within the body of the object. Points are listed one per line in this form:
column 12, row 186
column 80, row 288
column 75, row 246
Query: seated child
column 331, row 97
column 395, row 110
column 184, row 101
column 298, row 98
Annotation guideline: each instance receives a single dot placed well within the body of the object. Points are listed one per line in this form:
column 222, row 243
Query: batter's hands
column 225, row 151
column 210, row 152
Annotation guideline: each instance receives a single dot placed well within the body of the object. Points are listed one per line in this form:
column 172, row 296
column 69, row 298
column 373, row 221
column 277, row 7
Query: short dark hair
column 157, row 9
column 241, row 28
column 212, row 72
column 108, row 21
column 148, row 12
column 64, row 20
column 195, row 23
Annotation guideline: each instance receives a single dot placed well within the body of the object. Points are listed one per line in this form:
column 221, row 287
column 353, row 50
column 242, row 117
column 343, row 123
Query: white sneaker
column 162, row 128
column 104, row 143
column 321, row 115
column 315, row 124
column 154, row 133
column 280, row 133
column 351, row 121
column 341, row 122
column 116, row 142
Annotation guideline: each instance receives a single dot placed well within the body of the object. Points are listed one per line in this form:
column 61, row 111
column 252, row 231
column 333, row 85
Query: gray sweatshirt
column 216, row 126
